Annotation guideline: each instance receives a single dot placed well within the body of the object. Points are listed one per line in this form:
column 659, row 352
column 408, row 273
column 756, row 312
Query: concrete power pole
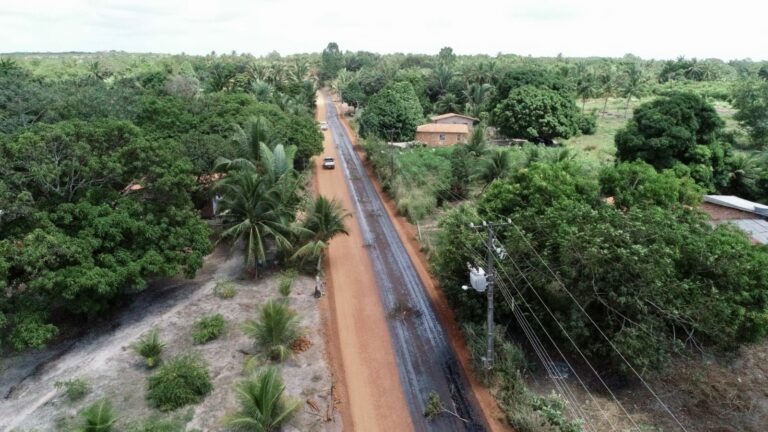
column 490, row 276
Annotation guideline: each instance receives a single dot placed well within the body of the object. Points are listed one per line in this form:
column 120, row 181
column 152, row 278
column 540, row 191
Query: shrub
column 98, row 417
column 74, row 389
column 225, row 289
column 588, row 124
column 275, row 330
column 155, row 423
column 286, row 280
column 208, row 328
column 150, row 347
column 182, row 381
column 262, row 405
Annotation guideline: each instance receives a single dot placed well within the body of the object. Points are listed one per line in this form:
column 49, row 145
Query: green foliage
column 162, row 424
column 530, row 112
column 394, row 111
column 324, row 220
column 331, row 62
column 633, row 184
column 181, row 381
column 263, row 407
column 434, row 405
column 677, row 129
column 208, row 328
column 751, row 101
column 646, row 272
column 74, row 389
column 98, row 417
column 225, row 289
column 150, row 347
column 285, row 282
column 276, row 328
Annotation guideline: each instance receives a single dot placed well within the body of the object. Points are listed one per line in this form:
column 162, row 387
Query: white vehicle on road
column 329, row 163
column 323, row 126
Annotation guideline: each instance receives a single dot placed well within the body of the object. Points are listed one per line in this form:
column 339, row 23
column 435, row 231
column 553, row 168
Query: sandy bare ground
column 29, row 400
column 357, row 332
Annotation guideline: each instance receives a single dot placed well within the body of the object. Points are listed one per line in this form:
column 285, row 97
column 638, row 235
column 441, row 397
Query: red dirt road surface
column 359, row 343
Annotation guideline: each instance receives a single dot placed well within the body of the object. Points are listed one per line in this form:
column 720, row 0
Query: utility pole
column 391, row 133
column 490, row 275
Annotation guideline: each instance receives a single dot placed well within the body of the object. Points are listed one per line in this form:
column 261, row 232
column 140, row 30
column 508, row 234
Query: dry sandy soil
column 104, row 357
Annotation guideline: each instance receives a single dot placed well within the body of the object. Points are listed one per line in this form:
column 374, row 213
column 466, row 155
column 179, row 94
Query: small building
column 441, row 134
column 453, row 118
column 750, row 217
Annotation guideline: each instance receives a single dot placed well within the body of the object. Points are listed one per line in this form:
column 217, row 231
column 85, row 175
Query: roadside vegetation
column 602, row 197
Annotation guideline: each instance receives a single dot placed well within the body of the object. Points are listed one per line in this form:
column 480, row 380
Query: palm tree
column 446, row 103
column 254, row 213
column 497, row 165
column 98, row 417
column 262, row 405
column 586, row 85
column 150, row 347
column 632, row 84
column 300, row 70
column 324, row 220
column 275, row 330
column 249, row 139
column 607, row 82
column 476, row 146
column 477, row 96
column 262, row 90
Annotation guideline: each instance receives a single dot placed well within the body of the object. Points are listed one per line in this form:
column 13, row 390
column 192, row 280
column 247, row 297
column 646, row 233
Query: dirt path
column 409, row 236
column 358, row 336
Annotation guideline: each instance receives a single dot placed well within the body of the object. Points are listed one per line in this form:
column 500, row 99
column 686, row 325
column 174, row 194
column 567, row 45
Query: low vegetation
column 74, row 389
column 150, row 347
column 98, row 417
column 276, row 327
column 181, row 381
column 285, row 282
column 208, row 328
column 263, row 406
column 225, row 289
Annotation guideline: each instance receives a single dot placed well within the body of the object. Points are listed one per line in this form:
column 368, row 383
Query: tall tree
column 331, row 62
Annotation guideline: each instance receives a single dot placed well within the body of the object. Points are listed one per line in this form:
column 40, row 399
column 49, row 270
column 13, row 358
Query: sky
column 660, row 29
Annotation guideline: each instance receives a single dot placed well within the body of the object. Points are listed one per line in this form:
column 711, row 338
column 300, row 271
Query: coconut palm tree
column 324, row 220
column 477, row 96
column 254, row 213
column 476, row 146
column 497, row 165
column 446, row 103
column 249, row 139
column 275, row 330
column 263, row 408
column 632, row 84
column 98, row 417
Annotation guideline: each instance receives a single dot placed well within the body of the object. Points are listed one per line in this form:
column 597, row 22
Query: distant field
column 601, row 147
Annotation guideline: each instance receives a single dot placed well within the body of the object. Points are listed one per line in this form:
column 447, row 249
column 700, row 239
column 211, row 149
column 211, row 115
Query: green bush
column 98, row 417
column 183, row 380
column 588, row 124
column 156, row 423
column 276, row 328
column 225, row 289
column 74, row 389
column 208, row 328
column 150, row 347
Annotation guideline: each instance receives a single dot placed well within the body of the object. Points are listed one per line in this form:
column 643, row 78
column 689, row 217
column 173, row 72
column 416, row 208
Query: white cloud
column 651, row 28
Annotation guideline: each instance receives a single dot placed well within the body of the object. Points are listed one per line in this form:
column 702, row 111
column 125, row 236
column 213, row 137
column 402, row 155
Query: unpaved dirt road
column 426, row 361
column 358, row 337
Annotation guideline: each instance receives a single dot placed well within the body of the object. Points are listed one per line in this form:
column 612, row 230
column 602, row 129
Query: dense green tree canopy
column 645, row 273
column 751, row 101
column 394, row 109
column 331, row 62
column 679, row 129
column 530, row 112
column 73, row 237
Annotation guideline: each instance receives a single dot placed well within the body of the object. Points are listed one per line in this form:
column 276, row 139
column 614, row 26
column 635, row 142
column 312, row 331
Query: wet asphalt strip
column 425, row 359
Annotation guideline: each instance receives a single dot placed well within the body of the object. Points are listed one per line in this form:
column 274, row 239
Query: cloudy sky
column 648, row 28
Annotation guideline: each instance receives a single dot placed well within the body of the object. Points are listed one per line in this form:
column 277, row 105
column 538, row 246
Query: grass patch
column 74, row 389
column 182, row 381
column 225, row 289
column 286, row 282
column 208, row 328
column 150, row 347
column 156, row 423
